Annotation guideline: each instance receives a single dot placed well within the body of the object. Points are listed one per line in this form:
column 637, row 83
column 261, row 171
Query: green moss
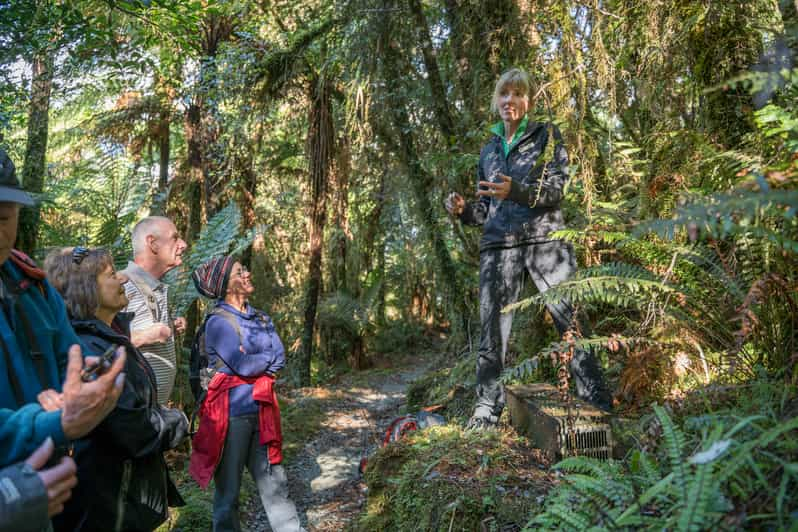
column 445, row 479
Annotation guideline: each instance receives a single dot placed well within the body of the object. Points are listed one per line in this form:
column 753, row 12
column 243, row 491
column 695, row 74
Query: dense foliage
column 318, row 139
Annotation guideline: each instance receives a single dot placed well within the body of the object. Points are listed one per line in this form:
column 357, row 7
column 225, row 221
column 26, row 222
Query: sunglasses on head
column 78, row 254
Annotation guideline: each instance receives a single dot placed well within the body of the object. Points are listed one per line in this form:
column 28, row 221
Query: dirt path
column 323, row 478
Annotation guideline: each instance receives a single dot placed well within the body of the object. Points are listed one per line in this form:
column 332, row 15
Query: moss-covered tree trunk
column 420, row 181
column 320, row 154
column 440, row 100
column 339, row 218
column 33, row 169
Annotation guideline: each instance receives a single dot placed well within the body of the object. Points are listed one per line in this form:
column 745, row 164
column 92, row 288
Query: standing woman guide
column 519, row 195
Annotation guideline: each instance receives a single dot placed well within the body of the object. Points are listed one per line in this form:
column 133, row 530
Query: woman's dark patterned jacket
column 123, row 479
column 532, row 210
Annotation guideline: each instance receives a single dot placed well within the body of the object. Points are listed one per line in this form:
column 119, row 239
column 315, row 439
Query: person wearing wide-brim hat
column 240, row 417
column 42, row 396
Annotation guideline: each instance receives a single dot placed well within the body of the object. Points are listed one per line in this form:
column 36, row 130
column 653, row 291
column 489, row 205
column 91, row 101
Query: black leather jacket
column 532, row 210
column 123, row 480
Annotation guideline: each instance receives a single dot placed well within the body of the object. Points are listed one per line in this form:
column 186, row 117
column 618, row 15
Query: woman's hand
column 50, row 400
column 455, row 204
column 496, row 190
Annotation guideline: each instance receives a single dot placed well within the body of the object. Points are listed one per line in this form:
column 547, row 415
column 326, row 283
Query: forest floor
column 336, row 426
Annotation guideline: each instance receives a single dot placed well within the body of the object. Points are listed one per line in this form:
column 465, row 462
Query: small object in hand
column 89, row 373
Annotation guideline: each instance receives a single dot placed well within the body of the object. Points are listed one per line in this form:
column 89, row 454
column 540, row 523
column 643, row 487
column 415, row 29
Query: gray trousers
column 502, row 273
column 242, row 448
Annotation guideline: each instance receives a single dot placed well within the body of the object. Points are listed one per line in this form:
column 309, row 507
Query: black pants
column 502, row 273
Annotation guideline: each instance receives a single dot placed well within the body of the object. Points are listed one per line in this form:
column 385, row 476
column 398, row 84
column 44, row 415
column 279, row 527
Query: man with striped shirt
column 157, row 248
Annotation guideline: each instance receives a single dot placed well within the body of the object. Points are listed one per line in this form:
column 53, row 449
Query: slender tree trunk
column 438, row 91
column 320, row 153
column 249, row 183
column 164, row 149
column 421, row 181
column 371, row 236
column 192, row 196
column 195, row 175
column 383, row 291
column 462, row 61
column 36, row 149
column 340, row 217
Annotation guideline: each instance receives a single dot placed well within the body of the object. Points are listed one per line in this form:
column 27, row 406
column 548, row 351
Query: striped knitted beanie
column 211, row 277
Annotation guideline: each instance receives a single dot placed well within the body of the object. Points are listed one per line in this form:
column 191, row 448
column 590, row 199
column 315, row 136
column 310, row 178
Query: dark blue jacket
column 532, row 210
column 23, row 427
column 254, row 351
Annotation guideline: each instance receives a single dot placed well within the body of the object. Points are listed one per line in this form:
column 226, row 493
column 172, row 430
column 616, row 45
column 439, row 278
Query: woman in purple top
column 249, row 348
column 241, row 341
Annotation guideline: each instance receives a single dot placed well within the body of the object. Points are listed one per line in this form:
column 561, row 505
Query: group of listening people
column 105, row 436
column 88, row 365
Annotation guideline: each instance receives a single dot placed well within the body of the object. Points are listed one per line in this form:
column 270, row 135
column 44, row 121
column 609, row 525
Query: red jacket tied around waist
column 214, row 416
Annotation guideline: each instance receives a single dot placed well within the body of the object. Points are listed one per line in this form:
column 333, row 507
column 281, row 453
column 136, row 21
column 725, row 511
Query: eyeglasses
column 78, row 254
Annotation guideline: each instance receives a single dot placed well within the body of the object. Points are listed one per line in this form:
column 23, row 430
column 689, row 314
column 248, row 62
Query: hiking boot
column 481, row 423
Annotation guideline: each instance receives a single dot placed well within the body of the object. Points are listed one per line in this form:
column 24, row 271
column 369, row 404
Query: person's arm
column 133, row 426
column 548, row 190
column 276, row 351
column 157, row 333
column 222, row 340
column 23, row 506
column 143, row 331
column 23, row 430
column 139, row 430
column 476, row 212
column 85, row 404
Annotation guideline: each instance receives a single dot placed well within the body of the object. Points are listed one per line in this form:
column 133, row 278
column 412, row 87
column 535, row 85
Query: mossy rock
column 445, row 478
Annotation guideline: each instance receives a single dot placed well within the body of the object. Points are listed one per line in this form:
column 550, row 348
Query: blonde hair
column 514, row 78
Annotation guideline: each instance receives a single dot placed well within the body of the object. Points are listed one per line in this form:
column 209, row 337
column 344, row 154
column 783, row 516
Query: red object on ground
column 214, row 415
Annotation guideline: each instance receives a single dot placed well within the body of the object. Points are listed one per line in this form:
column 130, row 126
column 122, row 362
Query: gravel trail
column 323, row 479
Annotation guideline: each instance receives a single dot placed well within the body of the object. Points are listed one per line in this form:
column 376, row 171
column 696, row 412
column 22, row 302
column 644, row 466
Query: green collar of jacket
column 498, row 130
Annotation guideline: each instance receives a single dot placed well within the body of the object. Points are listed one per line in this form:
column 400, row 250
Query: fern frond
column 693, row 515
column 726, row 214
column 587, row 466
column 674, row 444
column 617, row 284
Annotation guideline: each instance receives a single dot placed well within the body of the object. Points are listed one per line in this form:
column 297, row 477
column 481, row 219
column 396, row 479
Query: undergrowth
column 732, row 468
column 451, row 388
column 445, row 478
